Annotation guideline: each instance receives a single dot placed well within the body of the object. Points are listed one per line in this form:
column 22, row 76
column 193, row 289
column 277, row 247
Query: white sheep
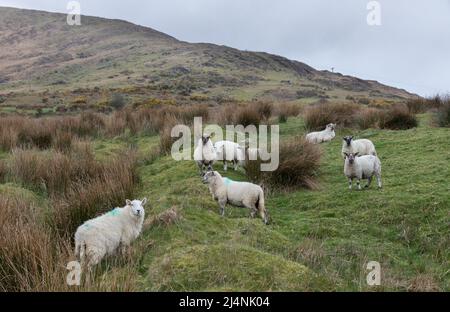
column 240, row 194
column 228, row 151
column 232, row 152
column 323, row 136
column 204, row 153
column 363, row 167
column 362, row 147
column 103, row 235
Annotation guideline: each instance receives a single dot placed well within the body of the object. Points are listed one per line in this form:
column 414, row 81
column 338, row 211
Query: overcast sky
column 411, row 48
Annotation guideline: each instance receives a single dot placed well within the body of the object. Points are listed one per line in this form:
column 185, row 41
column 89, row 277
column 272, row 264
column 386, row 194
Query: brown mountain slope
column 39, row 52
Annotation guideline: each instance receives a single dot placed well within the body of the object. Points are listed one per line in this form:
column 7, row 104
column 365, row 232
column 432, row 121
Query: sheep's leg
column 222, row 204
column 350, row 183
column 225, row 165
column 264, row 216
column 235, row 163
column 358, row 182
column 369, row 181
column 200, row 168
column 253, row 212
column 379, row 181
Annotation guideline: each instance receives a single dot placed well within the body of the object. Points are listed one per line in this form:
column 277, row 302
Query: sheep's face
column 205, row 139
column 351, row 157
column 137, row 206
column 209, row 177
column 348, row 140
column 331, row 127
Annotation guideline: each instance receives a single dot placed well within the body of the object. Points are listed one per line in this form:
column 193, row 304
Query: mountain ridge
column 41, row 52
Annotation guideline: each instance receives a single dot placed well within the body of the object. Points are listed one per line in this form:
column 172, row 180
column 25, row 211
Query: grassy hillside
column 334, row 232
column 44, row 59
column 318, row 240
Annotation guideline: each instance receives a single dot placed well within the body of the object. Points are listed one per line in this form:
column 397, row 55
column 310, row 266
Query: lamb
column 363, row 167
column 323, row 136
column 362, row 147
column 205, row 154
column 240, row 194
column 103, row 235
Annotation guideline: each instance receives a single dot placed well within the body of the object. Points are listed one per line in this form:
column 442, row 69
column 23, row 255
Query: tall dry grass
column 286, row 110
column 298, row 166
column 398, row 117
column 3, row 171
column 319, row 115
column 85, row 199
column 31, row 258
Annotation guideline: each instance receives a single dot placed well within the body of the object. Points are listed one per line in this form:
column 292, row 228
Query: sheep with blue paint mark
column 103, row 235
column 240, row 194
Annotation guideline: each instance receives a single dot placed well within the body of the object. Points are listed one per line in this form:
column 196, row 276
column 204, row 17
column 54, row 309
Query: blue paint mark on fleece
column 227, row 181
column 114, row 212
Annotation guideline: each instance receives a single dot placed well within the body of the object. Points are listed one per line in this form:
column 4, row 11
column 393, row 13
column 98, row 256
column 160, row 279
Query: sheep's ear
column 128, row 202
column 346, row 154
column 144, row 201
column 356, row 154
column 213, row 173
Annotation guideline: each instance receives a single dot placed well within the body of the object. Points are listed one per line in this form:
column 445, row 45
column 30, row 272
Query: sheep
column 240, row 194
column 362, row 147
column 323, row 136
column 363, row 167
column 230, row 152
column 103, row 235
column 205, row 154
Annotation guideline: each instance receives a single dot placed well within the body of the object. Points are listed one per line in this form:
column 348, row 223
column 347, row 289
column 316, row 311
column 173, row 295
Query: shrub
column 368, row 118
column 286, row 110
column 398, row 117
column 442, row 116
column 88, row 124
column 248, row 115
column 188, row 112
column 226, row 114
column 151, row 120
column 319, row 115
column 35, row 134
column 117, row 101
column 265, row 110
column 166, row 141
column 298, row 167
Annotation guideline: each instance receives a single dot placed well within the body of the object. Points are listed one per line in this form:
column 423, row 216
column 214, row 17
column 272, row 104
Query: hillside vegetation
column 318, row 240
column 46, row 63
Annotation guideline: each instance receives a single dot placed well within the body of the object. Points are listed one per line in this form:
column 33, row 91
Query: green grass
column 318, row 240
column 329, row 235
